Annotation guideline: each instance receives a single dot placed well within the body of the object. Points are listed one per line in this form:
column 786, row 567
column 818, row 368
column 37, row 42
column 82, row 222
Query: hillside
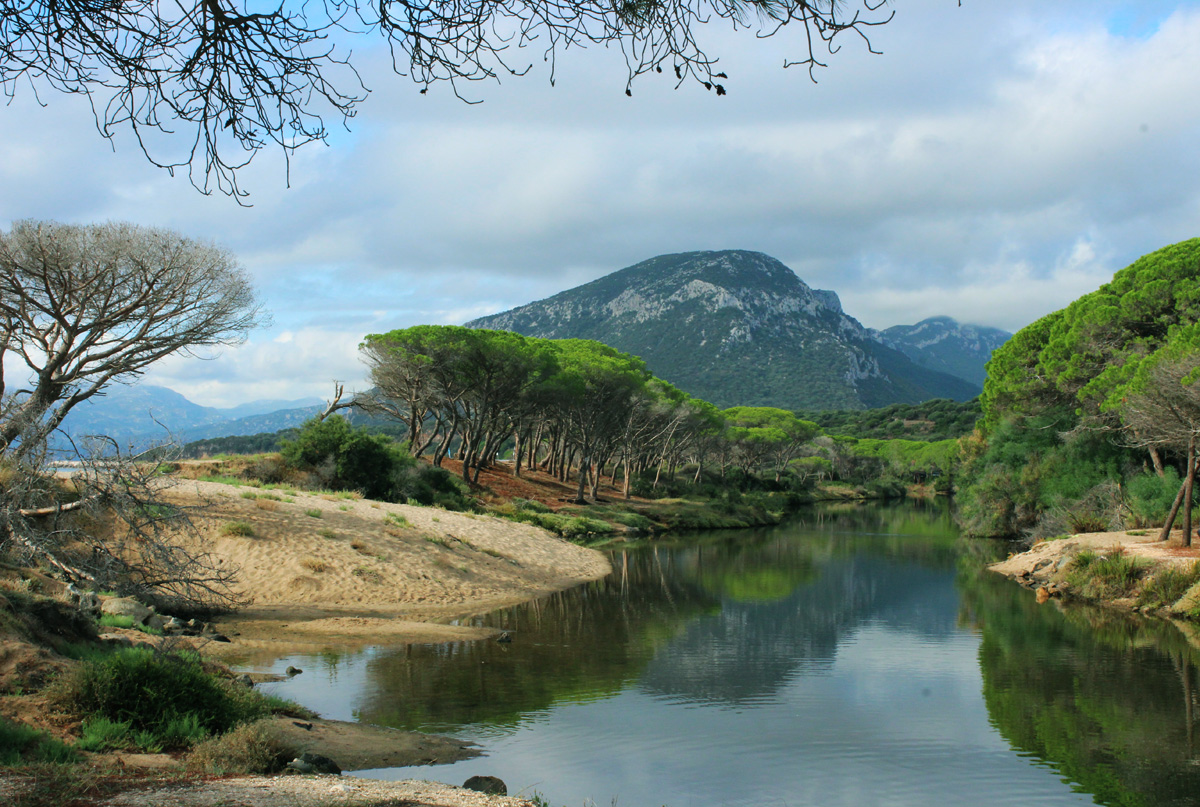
column 736, row 328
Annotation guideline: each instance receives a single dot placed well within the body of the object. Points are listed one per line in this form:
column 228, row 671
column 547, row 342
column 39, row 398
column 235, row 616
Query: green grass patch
column 25, row 745
column 239, row 528
column 327, row 533
column 249, row 494
column 313, row 512
column 397, row 519
column 1105, row 576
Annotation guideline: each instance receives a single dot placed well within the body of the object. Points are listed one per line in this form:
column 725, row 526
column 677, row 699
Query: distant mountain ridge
column 945, row 345
column 736, row 328
column 145, row 414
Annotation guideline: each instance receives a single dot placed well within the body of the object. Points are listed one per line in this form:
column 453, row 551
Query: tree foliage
column 561, row 405
column 233, row 76
column 1069, row 398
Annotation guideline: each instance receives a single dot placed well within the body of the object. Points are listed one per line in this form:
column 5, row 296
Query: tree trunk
column 1170, row 522
column 1157, row 461
column 1187, row 497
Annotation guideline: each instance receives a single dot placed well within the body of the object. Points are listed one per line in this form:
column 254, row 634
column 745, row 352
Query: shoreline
column 1043, row 567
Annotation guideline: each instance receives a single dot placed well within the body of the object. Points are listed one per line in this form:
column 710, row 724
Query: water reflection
column 858, row 655
column 1107, row 698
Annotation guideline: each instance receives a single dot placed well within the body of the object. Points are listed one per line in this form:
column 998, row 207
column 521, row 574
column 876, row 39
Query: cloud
column 957, row 173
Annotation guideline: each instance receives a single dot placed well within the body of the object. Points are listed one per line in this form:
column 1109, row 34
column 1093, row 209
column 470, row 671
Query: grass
column 1166, row 586
column 249, row 494
column 314, row 565
column 231, row 480
column 25, row 745
column 397, row 519
column 327, row 533
column 269, row 505
column 249, row 748
column 439, row 540
column 242, row 529
column 313, row 512
column 119, row 621
column 1105, row 577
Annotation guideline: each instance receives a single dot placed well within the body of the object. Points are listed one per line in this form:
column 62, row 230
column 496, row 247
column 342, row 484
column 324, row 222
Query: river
column 857, row 655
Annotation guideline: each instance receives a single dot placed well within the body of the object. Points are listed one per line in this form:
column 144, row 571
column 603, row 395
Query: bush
column 249, row 748
column 240, row 528
column 1168, row 585
column 149, row 698
column 1150, row 497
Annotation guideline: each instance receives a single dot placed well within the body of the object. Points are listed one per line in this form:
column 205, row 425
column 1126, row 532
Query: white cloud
column 993, row 163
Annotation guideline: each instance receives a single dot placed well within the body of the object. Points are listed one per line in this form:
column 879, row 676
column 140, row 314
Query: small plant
column 439, row 540
column 249, row 494
column 343, row 507
column 266, row 504
column 313, row 512
column 242, row 529
column 327, row 533
column 397, row 519
column 369, row 575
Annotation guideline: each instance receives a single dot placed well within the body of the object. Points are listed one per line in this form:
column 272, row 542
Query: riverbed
column 856, row 655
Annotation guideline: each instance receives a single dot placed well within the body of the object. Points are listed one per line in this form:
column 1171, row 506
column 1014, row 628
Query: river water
column 858, row 655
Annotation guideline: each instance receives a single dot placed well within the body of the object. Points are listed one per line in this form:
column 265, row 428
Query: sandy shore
column 321, row 571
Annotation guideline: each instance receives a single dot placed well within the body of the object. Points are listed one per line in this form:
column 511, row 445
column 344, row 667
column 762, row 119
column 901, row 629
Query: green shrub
column 1168, row 585
column 160, row 693
column 314, row 512
column 1150, row 496
column 239, row 528
column 23, row 745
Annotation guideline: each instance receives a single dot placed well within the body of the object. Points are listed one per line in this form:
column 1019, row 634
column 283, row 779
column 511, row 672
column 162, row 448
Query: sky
column 994, row 162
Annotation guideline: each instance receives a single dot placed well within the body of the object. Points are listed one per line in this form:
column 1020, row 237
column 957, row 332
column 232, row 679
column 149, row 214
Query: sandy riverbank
column 320, row 571
column 1042, row 568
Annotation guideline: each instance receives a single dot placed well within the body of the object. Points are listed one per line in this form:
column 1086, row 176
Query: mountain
column 145, row 414
column 736, row 328
column 942, row 344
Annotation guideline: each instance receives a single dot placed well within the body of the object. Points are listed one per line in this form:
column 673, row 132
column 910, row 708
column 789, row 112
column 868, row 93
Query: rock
column 1042, row 564
column 127, row 606
column 218, row 637
column 1042, row 595
column 504, row 638
column 245, row 680
column 314, row 763
column 174, row 625
column 156, row 622
column 491, row 785
column 293, row 671
column 117, row 639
